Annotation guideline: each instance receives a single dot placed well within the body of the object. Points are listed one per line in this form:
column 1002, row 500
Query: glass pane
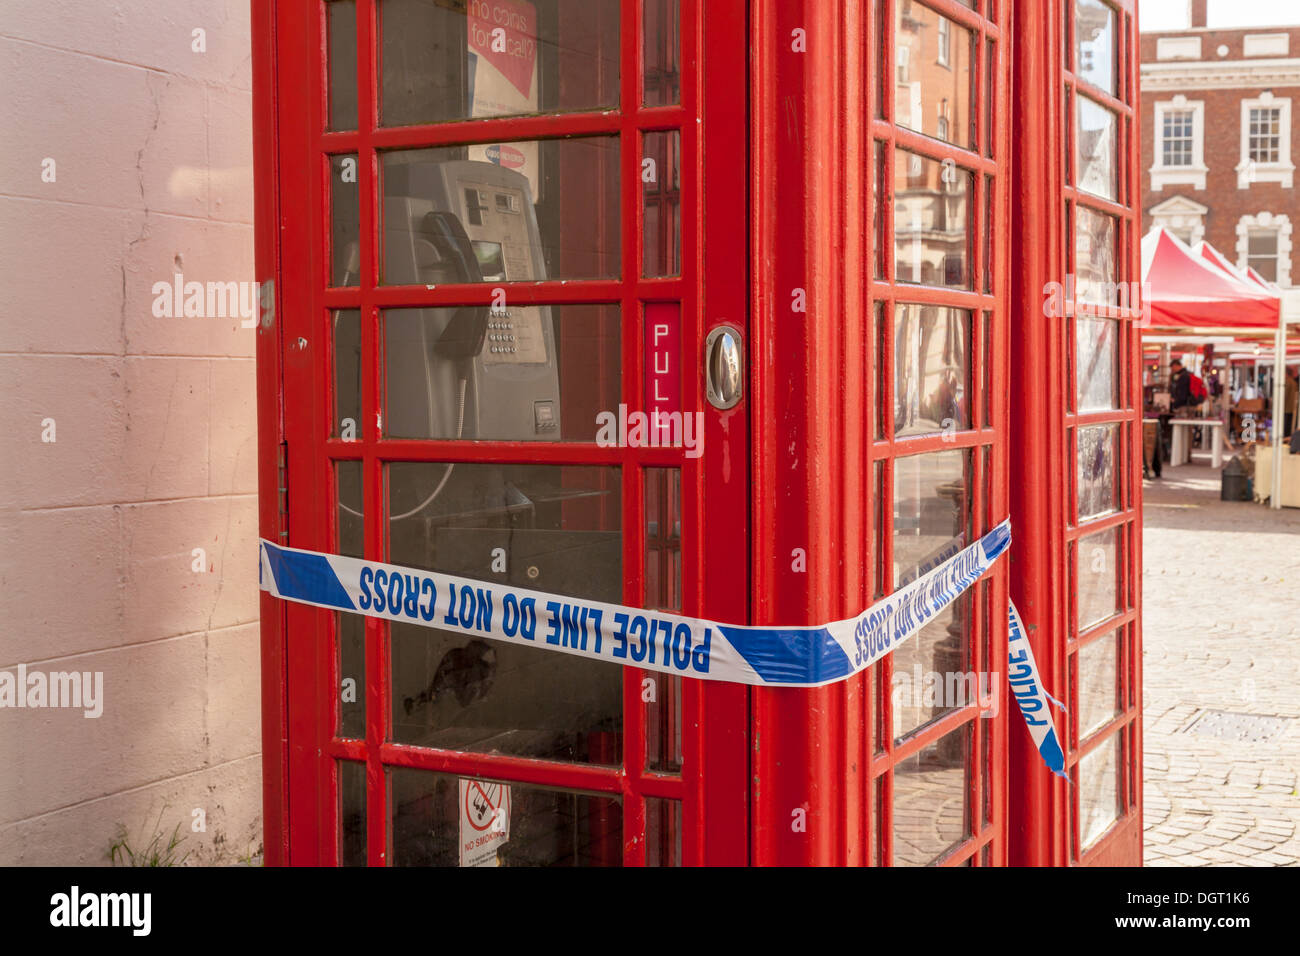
column 878, row 411
column 878, row 488
column 1096, row 472
column 990, row 81
column 1097, row 576
column 347, row 375
column 662, row 80
column 1098, row 149
column 663, row 832
column 1068, row 152
column 930, row 808
column 351, row 628
column 931, row 511
column 873, row 832
column 986, row 363
column 882, row 85
column 1261, row 244
column 352, row 813
column 542, row 373
column 1097, row 698
column 1096, row 778
column 932, row 85
column 878, row 209
column 351, row 636
column 661, row 192
column 441, row 820
column 931, row 370
column 547, row 528
column 931, row 521
column 663, row 591
column 932, row 670
column 986, row 784
column 990, row 208
column 345, row 221
column 1094, row 38
column 341, row 31
column 932, row 221
column 1094, row 258
column 879, row 838
column 465, row 60
column 502, row 212
column 1097, row 357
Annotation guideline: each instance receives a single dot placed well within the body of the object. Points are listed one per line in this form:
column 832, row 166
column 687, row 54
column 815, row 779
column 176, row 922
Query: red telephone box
column 498, row 230
column 1078, row 396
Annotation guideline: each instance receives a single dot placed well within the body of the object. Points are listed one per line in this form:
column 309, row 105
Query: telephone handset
column 465, row 334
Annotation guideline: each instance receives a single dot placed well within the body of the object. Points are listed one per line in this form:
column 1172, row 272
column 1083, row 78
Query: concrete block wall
column 154, row 450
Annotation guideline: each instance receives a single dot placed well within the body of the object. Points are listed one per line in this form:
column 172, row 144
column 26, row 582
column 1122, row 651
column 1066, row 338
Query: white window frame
column 1283, row 171
column 944, row 36
column 1263, row 222
column 1193, row 175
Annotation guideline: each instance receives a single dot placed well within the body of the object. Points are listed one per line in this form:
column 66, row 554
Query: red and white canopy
column 1188, row 290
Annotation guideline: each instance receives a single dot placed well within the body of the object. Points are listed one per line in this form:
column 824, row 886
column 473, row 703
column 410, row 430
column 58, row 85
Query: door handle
column 724, row 367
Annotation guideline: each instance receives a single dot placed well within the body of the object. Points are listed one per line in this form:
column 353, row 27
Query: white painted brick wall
column 156, row 443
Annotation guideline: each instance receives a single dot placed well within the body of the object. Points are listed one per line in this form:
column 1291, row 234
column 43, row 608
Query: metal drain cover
column 1250, row 728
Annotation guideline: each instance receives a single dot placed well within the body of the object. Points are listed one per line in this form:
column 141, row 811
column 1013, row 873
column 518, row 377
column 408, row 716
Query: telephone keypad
column 506, row 337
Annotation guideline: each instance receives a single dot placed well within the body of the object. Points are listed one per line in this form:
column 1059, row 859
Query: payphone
column 488, row 373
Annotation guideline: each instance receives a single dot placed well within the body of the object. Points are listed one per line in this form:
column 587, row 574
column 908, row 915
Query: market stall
column 1195, row 296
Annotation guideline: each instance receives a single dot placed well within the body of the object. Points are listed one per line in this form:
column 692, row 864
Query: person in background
column 1290, row 394
column 1186, row 391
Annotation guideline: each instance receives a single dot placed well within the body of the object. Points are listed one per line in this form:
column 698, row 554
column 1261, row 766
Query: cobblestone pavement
column 1221, row 591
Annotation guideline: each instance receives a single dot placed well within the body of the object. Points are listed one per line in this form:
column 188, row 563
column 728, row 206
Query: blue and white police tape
column 1030, row 694
column 652, row 640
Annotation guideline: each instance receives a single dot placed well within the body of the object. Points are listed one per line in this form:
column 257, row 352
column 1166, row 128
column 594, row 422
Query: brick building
column 1218, row 162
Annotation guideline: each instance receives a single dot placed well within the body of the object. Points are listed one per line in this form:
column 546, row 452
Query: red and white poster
column 503, row 51
column 484, row 821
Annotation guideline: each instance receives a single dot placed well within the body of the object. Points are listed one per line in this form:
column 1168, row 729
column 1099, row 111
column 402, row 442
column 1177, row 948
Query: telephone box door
column 490, row 258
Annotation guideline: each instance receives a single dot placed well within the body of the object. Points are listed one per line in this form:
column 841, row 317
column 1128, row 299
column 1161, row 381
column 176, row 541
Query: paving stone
column 1221, row 637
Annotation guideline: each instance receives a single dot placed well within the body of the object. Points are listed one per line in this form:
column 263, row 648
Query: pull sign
column 724, row 368
column 663, row 376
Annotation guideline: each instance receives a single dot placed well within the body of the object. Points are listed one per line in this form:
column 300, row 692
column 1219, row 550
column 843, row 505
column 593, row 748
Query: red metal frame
column 295, row 386
column 814, row 458
column 1045, row 423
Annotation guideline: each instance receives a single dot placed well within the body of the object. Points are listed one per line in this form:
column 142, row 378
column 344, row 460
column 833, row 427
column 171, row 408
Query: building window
column 1177, row 138
column 1265, row 142
column 1179, row 157
column 1261, row 252
column 904, row 54
column 1264, row 135
column 945, row 40
column 1264, row 244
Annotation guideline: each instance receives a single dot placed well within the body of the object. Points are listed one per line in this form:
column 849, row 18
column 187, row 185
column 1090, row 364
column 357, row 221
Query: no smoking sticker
column 484, row 821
